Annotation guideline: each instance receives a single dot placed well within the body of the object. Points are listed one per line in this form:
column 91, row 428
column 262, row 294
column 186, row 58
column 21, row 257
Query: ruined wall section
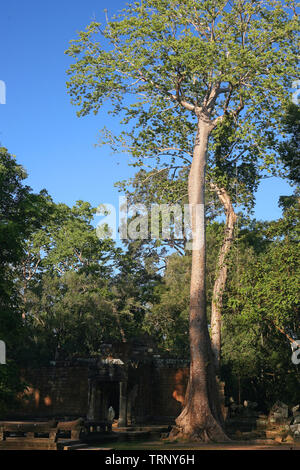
column 160, row 391
column 153, row 390
column 54, row 391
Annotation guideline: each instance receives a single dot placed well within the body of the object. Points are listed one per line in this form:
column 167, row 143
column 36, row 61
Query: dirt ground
column 234, row 445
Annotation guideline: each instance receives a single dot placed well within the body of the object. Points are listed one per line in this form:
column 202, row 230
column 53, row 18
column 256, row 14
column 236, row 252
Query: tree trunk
column 221, row 277
column 201, row 418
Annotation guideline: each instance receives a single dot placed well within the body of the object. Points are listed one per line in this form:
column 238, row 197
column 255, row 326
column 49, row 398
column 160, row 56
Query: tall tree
column 64, row 277
column 21, row 212
column 261, row 312
column 229, row 181
column 212, row 60
column 234, row 178
column 78, row 291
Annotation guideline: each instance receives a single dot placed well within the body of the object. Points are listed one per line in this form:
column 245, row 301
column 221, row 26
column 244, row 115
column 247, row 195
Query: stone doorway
column 101, row 396
column 113, row 397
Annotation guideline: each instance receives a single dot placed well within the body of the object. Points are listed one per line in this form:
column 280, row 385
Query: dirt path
column 234, row 445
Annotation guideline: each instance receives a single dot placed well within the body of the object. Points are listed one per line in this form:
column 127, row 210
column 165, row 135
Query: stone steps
column 139, row 433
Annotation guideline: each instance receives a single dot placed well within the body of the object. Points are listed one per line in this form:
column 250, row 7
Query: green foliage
column 69, row 315
column 168, row 317
column 76, row 291
column 289, row 148
column 167, row 320
column 10, row 387
column 79, row 291
column 163, row 65
column 261, row 313
column 260, row 308
column 21, row 212
column 168, row 67
column 67, row 241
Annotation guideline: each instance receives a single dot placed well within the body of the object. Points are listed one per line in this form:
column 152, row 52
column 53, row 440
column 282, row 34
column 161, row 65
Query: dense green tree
column 134, row 287
column 79, row 291
column 168, row 317
column 21, row 212
column 228, row 183
column 289, row 148
column 215, row 61
column 64, row 278
column 261, row 314
column 70, row 315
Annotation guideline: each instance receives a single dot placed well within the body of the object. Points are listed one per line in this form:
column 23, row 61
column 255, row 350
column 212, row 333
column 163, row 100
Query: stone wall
column 152, row 391
column 53, row 391
column 160, row 393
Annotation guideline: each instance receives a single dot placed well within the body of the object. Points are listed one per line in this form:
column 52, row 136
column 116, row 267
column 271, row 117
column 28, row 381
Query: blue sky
column 39, row 125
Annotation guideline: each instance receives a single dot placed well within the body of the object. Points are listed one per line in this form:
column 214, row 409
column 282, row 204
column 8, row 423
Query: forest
column 64, row 291
column 203, row 92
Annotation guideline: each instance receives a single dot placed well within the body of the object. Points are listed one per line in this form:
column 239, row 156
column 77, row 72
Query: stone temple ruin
column 130, row 387
column 141, row 386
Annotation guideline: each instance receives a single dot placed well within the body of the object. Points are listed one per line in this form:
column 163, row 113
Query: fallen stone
column 280, row 408
column 272, row 434
column 289, row 439
column 262, row 423
column 279, row 413
column 295, row 428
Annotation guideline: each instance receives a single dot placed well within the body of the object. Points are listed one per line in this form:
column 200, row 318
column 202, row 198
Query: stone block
column 289, row 439
column 295, row 428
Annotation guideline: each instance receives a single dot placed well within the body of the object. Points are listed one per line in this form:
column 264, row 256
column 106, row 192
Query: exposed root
column 201, row 435
column 213, row 433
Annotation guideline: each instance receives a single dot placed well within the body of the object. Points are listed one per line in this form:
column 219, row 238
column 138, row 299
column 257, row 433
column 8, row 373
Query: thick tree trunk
column 201, row 417
column 221, row 276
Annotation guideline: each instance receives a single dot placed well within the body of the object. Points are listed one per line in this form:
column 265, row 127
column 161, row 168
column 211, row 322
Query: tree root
column 196, row 434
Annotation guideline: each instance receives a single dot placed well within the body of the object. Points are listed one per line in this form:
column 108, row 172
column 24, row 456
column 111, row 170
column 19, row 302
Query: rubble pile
column 281, row 425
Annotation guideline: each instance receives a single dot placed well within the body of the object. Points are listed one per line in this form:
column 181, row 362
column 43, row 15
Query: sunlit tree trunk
column 221, row 273
column 201, row 417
